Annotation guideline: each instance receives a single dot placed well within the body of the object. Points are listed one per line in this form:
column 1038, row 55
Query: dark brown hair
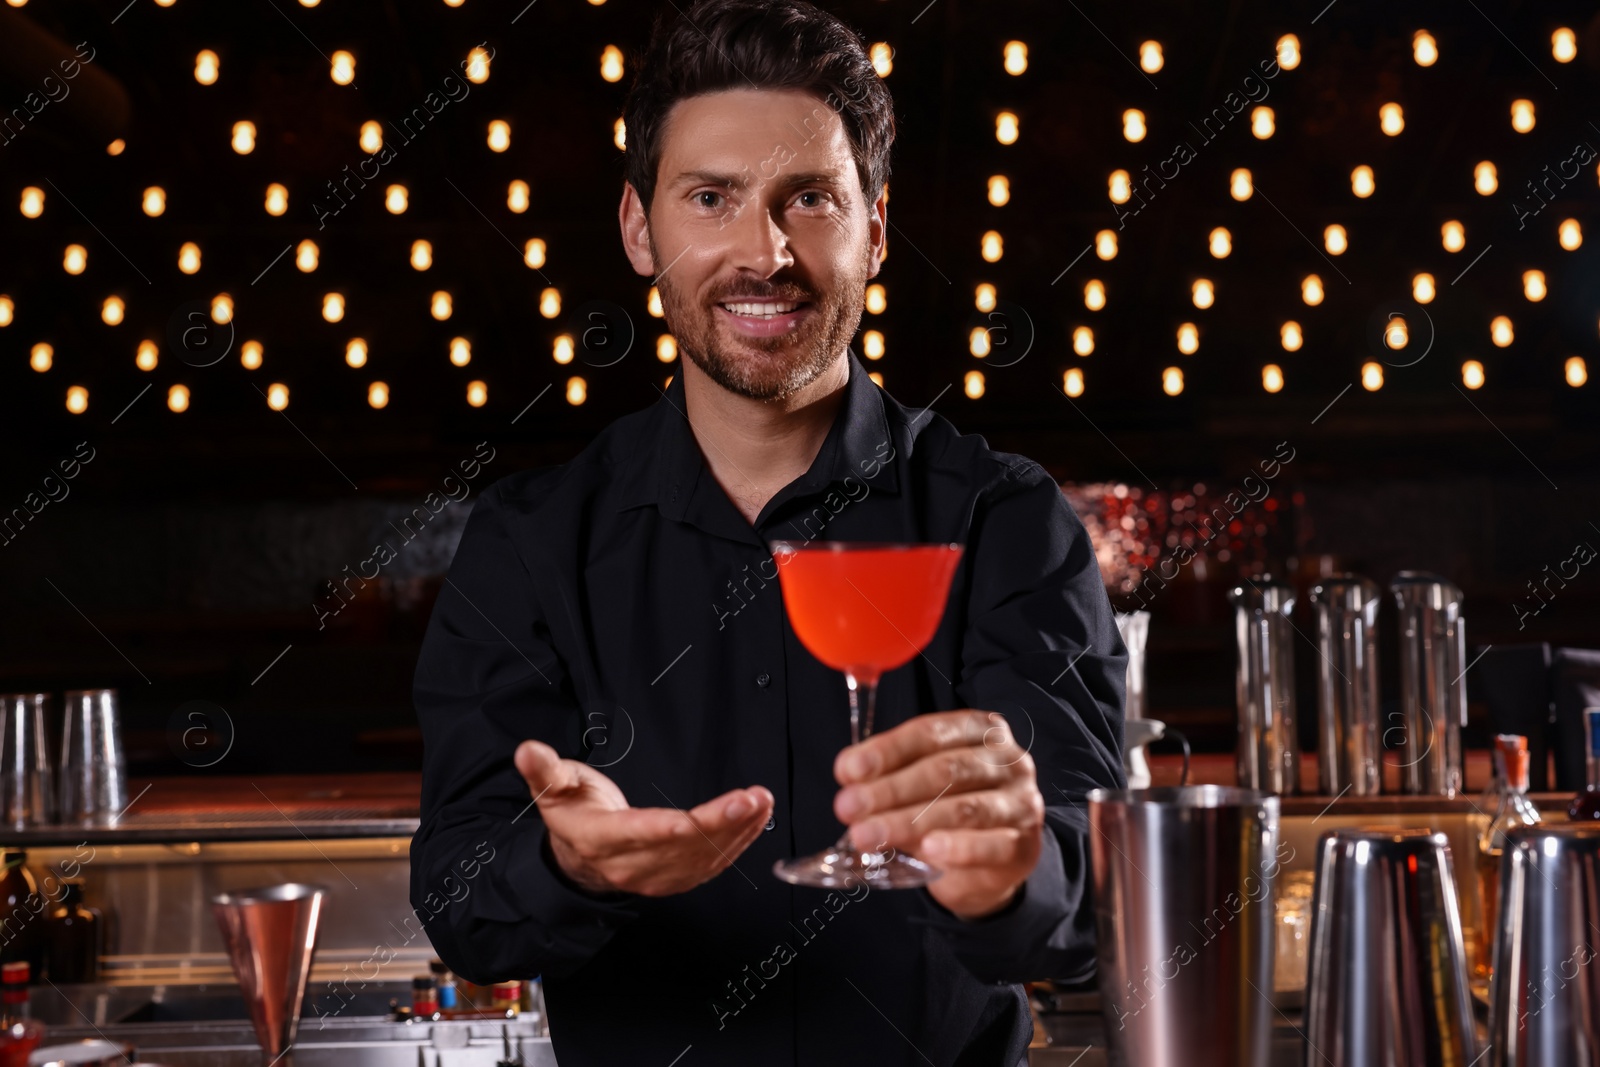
column 757, row 44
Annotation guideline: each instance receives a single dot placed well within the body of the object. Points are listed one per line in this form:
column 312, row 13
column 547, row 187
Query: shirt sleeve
column 483, row 884
column 1041, row 647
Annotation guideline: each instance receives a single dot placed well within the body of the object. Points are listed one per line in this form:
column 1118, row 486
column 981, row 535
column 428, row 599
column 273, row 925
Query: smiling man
column 616, row 711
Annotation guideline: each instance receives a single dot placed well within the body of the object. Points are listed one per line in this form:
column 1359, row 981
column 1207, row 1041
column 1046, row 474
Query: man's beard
column 766, row 368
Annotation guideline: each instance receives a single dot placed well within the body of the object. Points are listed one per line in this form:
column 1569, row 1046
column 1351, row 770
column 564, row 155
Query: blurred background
column 1301, row 288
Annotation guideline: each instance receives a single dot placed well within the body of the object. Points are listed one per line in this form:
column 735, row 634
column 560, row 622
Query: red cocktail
column 863, row 608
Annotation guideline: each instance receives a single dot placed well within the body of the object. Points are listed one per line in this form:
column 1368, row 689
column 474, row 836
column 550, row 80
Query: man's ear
column 635, row 232
column 877, row 231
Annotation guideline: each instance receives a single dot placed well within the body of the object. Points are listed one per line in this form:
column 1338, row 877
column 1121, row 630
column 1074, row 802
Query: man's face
column 758, row 202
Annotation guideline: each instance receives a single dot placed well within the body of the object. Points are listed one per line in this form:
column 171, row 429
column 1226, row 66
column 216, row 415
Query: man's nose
column 759, row 241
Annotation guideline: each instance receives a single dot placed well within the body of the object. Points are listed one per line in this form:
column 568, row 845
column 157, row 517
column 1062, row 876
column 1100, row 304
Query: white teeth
column 761, row 310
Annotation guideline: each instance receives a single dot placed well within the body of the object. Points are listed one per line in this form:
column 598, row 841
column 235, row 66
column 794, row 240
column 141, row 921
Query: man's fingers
column 955, row 849
column 546, row 772
column 952, row 771
column 904, row 828
column 916, row 738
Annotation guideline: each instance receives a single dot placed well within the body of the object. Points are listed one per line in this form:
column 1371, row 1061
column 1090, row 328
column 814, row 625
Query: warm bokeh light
column 1362, row 182
column 355, row 352
column 342, row 68
column 277, row 201
column 1240, row 184
column 250, row 355
column 1533, row 285
column 1396, row 335
column 1290, row 336
column 972, row 383
column 277, row 396
column 154, row 201
column 533, row 253
column 1172, row 381
column 1083, row 341
column 111, row 310
column 1522, row 118
column 1500, row 331
column 999, row 190
column 1391, row 119
column 1371, row 377
column 1188, row 338
column 877, row 299
column 577, row 391
column 1335, row 240
column 1133, row 127
column 189, row 258
column 1105, row 244
column 477, row 394
column 1072, row 382
column 562, row 349
column 652, row 302
column 550, row 302
column 984, row 297
column 619, row 134
column 992, row 246
column 421, row 255
column 333, row 306
column 147, row 356
column 306, row 256
column 32, row 204
column 1577, row 371
column 222, row 309
column 41, row 357
column 1571, row 234
column 499, row 135
column 611, row 63
column 244, row 137
column 75, row 259
column 115, row 147
column 1288, row 51
column 439, row 305
column 882, row 57
column 1262, row 122
column 1311, row 290
column 1424, row 49
column 1220, row 242
column 1485, row 178
column 978, row 342
column 378, row 394
column 1564, row 45
column 8, row 311
column 396, row 199
column 872, row 344
column 517, row 196
column 77, row 399
column 371, row 136
column 1454, row 236
column 1472, row 374
column 460, row 351
column 1094, row 294
column 1015, row 57
column 1272, row 378
column 478, row 66
column 205, row 67
column 178, row 398
column 1422, row 289
column 1150, row 58
column 1203, row 293
column 1006, row 127
column 666, row 348
column 1119, row 186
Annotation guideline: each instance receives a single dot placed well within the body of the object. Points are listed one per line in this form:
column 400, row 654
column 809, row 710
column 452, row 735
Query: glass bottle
column 1512, row 809
column 1585, row 806
column 20, row 905
column 74, row 937
column 20, row 1034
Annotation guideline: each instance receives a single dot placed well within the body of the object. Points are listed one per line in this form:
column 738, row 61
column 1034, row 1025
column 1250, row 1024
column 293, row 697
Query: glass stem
column 858, row 731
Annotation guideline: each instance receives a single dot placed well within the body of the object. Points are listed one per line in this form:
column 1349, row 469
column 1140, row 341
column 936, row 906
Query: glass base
column 842, row 865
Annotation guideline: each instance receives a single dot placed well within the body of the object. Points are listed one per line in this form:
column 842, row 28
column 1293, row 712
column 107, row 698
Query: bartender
column 622, row 732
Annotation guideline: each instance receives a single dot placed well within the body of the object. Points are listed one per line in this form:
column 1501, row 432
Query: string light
column 872, row 344
column 533, row 253
column 421, row 255
column 1262, row 123
column 74, row 259
column 1485, row 178
column 277, row 201
column 972, row 384
column 77, row 399
column 1072, row 382
column 378, row 394
column 1291, row 337
column 1391, row 119
column 305, row 256
column 1094, row 294
column 1564, row 45
column 222, row 309
column 439, row 305
column 1311, row 290
column 517, row 196
column 1203, row 292
column 1422, row 288
column 984, row 297
column 178, row 398
column 355, row 352
column 1522, row 119
column 993, row 247
column 1150, row 57
column 1472, row 374
column 1118, row 187
column 244, row 137
column 115, row 147
column 611, row 63
column 1016, row 57
column 1424, row 49
column 1272, row 378
column 478, row 66
column 978, row 342
column 577, row 391
column 477, row 394
column 1188, row 338
column 882, row 58
column 250, row 355
column 1454, row 236
column 8, row 311
column 1371, row 377
column 1500, row 331
column 877, row 298
column 460, row 351
column 155, row 201
column 652, row 302
column 619, row 134
column 205, row 67
column 1172, row 381
column 1240, row 185
column 333, row 306
column 666, row 348
column 1288, row 51
column 371, row 136
column 499, row 135
column 1571, row 234
column 342, row 68
column 1221, row 242
column 872, row 376
column 41, row 357
column 1396, row 335
column 999, row 190
column 277, row 396
column 1361, row 181
column 1533, row 285
column 1133, row 127
column 550, row 302
column 1335, row 240
column 562, row 349
column 1105, row 244
column 1006, row 127
column 1577, row 371
column 1083, row 341
column 147, row 356
column 32, row 205
column 111, row 311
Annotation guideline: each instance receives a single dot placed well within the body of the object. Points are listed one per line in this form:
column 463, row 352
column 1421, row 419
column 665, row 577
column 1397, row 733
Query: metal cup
column 94, row 774
column 1347, row 686
column 1433, row 686
column 270, row 934
column 1183, row 882
column 27, row 789
column 1544, row 1004
column 1268, row 751
column 1388, row 970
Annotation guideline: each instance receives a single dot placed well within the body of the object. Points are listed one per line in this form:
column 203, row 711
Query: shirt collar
column 858, row 444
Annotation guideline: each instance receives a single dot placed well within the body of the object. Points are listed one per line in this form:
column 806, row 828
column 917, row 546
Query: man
column 623, row 733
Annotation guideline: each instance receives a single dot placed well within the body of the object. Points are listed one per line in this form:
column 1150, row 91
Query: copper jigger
column 270, row 934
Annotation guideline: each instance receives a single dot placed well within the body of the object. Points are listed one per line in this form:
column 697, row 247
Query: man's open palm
column 605, row 846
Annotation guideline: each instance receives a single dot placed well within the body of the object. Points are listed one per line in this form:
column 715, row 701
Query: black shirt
column 621, row 609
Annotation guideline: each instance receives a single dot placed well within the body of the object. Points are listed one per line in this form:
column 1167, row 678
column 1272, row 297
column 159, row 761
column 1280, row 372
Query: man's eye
column 817, row 195
column 700, row 198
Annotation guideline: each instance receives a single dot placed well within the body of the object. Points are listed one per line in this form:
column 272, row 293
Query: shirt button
column 772, row 822
column 764, row 680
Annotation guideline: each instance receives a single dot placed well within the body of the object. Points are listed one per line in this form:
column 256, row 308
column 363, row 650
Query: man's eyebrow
column 742, row 179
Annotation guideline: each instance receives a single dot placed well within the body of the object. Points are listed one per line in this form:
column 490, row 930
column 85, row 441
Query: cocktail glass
column 862, row 608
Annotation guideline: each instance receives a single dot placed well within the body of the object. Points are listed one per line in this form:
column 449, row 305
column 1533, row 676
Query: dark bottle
column 1585, row 807
column 74, row 937
column 21, row 932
